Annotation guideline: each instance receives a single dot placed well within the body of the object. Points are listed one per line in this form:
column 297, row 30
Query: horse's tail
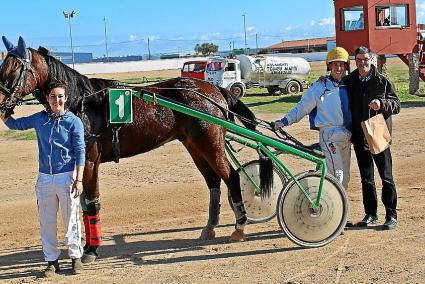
column 266, row 164
column 238, row 107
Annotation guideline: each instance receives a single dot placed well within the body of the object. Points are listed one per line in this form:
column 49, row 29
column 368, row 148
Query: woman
column 61, row 152
column 327, row 103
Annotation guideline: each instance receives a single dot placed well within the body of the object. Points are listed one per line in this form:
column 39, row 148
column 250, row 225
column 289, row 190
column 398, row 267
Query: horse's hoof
column 88, row 258
column 238, row 236
column 207, row 234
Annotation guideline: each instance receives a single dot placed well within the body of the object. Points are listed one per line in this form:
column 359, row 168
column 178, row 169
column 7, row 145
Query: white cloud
column 249, row 29
column 154, row 37
column 312, row 23
column 327, row 21
column 133, row 37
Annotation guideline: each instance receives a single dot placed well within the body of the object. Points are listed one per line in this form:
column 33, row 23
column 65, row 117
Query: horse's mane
column 79, row 86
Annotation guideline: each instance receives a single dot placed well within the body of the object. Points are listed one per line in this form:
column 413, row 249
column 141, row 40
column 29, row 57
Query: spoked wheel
column 259, row 209
column 300, row 223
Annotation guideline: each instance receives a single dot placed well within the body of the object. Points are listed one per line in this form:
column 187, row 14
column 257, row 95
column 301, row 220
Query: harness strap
column 116, row 143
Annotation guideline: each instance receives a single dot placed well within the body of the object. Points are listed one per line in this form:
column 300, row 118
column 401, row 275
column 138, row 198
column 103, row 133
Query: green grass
column 142, row 80
column 18, row 135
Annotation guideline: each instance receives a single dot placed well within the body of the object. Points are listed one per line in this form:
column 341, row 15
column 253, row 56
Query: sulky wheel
column 259, row 209
column 300, row 223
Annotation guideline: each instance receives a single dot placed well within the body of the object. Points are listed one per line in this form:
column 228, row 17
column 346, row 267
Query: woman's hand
column 77, row 188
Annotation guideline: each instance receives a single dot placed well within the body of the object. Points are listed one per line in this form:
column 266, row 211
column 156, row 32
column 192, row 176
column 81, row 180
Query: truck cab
column 226, row 73
column 195, row 69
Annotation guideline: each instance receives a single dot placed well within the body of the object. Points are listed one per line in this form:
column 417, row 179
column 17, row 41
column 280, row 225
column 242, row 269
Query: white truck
column 280, row 75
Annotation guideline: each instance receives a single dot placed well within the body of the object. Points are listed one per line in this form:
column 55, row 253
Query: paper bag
column 376, row 133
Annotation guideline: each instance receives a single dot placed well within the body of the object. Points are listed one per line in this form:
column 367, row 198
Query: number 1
column 120, row 103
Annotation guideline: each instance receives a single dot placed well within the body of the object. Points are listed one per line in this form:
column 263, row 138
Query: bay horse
column 26, row 71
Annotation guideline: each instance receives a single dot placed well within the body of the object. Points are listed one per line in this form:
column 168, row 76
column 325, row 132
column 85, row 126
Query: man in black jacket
column 371, row 93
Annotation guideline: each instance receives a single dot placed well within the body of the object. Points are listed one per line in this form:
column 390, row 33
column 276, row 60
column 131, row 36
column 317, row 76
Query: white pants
column 335, row 144
column 53, row 191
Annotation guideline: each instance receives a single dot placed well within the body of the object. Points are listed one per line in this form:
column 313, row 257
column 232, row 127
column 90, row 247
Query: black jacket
column 361, row 94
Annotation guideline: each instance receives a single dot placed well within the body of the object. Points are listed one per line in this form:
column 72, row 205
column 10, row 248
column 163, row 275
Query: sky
column 171, row 26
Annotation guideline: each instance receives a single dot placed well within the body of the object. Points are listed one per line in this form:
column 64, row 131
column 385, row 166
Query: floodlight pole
column 244, row 29
column 106, row 41
column 69, row 16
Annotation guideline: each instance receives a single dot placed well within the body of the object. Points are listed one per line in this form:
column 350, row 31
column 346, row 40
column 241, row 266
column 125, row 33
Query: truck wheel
column 237, row 90
column 293, row 88
column 274, row 91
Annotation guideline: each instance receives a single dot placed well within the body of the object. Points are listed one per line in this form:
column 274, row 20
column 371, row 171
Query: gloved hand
column 277, row 124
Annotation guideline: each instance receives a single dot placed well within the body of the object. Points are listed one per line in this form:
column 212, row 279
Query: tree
column 206, row 48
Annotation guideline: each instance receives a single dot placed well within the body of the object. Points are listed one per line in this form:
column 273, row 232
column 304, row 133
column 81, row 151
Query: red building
column 386, row 27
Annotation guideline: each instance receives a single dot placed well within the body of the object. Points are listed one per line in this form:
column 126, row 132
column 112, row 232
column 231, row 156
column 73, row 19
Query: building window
column 352, row 19
column 391, row 16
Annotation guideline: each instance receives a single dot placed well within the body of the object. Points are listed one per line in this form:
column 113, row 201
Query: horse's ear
column 9, row 46
column 21, row 50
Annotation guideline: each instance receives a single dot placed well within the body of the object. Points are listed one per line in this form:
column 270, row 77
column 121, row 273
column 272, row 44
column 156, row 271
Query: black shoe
column 369, row 219
column 52, row 268
column 390, row 223
column 349, row 224
column 76, row 266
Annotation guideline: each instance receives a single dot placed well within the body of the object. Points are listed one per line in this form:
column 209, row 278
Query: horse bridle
column 9, row 104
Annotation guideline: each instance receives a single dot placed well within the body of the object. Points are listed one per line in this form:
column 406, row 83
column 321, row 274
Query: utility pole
column 149, row 49
column 106, row 41
column 244, row 29
column 69, row 16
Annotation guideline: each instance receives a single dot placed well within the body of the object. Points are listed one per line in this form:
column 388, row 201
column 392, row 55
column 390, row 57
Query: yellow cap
column 338, row 54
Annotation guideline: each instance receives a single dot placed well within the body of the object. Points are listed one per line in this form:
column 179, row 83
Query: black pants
column 383, row 163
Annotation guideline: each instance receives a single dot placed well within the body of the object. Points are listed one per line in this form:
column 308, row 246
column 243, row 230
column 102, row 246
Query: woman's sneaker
column 52, row 268
column 77, row 265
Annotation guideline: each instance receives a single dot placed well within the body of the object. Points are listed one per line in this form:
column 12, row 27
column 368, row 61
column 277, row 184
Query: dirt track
column 154, row 206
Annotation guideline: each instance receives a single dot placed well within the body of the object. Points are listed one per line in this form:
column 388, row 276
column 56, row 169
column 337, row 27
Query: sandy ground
column 154, row 206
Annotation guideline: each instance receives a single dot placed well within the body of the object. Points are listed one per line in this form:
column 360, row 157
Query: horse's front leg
column 91, row 204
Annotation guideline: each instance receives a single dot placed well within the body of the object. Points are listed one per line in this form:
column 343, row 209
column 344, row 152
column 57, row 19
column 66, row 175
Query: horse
column 26, row 70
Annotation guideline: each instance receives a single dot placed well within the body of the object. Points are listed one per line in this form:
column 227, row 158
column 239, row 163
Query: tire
column 259, row 209
column 237, row 90
column 274, row 91
column 293, row 88
column 296, row 218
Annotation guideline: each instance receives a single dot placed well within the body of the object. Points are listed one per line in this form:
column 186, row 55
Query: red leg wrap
column 95, row 233
column 86, row 227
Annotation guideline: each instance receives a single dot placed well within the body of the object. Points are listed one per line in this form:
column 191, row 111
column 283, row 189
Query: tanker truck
column 280, row 75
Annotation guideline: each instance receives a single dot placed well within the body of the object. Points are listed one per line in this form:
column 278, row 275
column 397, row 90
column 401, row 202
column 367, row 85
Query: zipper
column 51, row 148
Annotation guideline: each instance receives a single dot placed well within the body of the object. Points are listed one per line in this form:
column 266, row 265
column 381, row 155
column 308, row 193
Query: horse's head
column 17, row 75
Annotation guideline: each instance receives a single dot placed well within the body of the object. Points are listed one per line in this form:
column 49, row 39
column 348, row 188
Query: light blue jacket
column 61, row 143
column 331, row 100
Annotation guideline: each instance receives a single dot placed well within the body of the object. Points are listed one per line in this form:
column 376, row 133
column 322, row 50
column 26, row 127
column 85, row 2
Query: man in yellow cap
column 327, row 103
